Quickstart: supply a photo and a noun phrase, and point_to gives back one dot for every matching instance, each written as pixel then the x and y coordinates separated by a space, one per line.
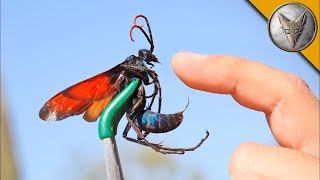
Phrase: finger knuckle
pixel 297 83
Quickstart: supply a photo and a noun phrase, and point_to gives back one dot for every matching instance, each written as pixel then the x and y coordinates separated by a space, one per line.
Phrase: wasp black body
pixel 91 96
pixel 141 118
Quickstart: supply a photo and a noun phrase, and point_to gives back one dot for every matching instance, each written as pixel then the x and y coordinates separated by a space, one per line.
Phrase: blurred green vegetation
pixel 8 166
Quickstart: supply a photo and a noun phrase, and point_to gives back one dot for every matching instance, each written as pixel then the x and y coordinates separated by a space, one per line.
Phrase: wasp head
pixel 147 56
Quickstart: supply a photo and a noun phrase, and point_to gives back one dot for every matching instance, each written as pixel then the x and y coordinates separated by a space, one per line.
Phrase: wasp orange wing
pixel 91 95
pixel 96 88
pixel 96 108
pixel 60 107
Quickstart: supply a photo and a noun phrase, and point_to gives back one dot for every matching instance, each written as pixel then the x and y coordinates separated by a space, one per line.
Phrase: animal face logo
pixel 292 29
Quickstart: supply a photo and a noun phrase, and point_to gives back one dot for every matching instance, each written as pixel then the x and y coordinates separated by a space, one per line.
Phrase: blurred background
pixel 47 46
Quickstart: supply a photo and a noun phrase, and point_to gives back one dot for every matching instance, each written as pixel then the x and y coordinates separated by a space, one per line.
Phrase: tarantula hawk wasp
pixel 91 96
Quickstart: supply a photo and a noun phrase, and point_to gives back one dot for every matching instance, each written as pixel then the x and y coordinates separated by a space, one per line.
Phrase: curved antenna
pixel 139 27
pixel 149 38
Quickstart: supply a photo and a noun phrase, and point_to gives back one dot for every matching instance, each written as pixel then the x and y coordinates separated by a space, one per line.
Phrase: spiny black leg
pixel 145 142
pixel 139 133
pixel 160 97
pixel 166 150
pixel 183 150
pixel 136 71
pixel 151 102
pixel 153 95
pixel 157 89
pixel 145 134
pixel 158 147
pixel 125 135
pixel 139 103
pixel 150 95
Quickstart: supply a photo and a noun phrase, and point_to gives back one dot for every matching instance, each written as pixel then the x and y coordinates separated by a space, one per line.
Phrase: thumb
pixel 255 161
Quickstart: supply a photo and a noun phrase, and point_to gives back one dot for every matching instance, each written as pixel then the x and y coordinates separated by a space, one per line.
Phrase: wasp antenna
pixel 186 105
pixel 135 20
pixel 150 39
pixel 145 34
pixel 131 33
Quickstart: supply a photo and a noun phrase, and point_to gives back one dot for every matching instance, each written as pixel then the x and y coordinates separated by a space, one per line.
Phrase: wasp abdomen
pixel 153 122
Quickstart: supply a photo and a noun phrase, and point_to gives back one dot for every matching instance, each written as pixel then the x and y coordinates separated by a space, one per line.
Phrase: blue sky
pixel 46 46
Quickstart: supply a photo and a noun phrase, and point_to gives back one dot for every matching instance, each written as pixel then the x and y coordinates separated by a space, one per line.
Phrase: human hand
pixel 292 112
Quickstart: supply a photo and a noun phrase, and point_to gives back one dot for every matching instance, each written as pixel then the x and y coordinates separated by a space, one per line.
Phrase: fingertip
pixel 177 59
pixel 183 61
pixel 188 67
pixel 272 163
pixel 204 72
pixel 240 157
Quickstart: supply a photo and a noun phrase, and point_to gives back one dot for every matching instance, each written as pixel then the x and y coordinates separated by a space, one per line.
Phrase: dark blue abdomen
pixel 158 123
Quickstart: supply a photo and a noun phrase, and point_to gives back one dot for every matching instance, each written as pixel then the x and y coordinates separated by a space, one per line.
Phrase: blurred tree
pixel 8 166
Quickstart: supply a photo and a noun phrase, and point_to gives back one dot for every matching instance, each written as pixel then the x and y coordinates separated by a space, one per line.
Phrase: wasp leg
pixel 150 96
pixel 145 134
pixel 144 142
pixel 183 150
pixel 133 112
pixel 136 107
pixel 157 89
pixel 139 141
pixel 138 71
pixel 159 147
pixel 125 135
pixel 140 135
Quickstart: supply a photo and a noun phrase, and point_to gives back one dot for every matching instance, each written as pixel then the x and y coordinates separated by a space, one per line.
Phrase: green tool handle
pixel 112 114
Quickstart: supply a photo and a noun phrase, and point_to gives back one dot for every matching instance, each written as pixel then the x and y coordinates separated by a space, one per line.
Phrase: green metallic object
pixel 112 114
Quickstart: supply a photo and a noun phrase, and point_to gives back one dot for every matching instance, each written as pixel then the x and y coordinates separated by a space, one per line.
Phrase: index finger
pixel 291 109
